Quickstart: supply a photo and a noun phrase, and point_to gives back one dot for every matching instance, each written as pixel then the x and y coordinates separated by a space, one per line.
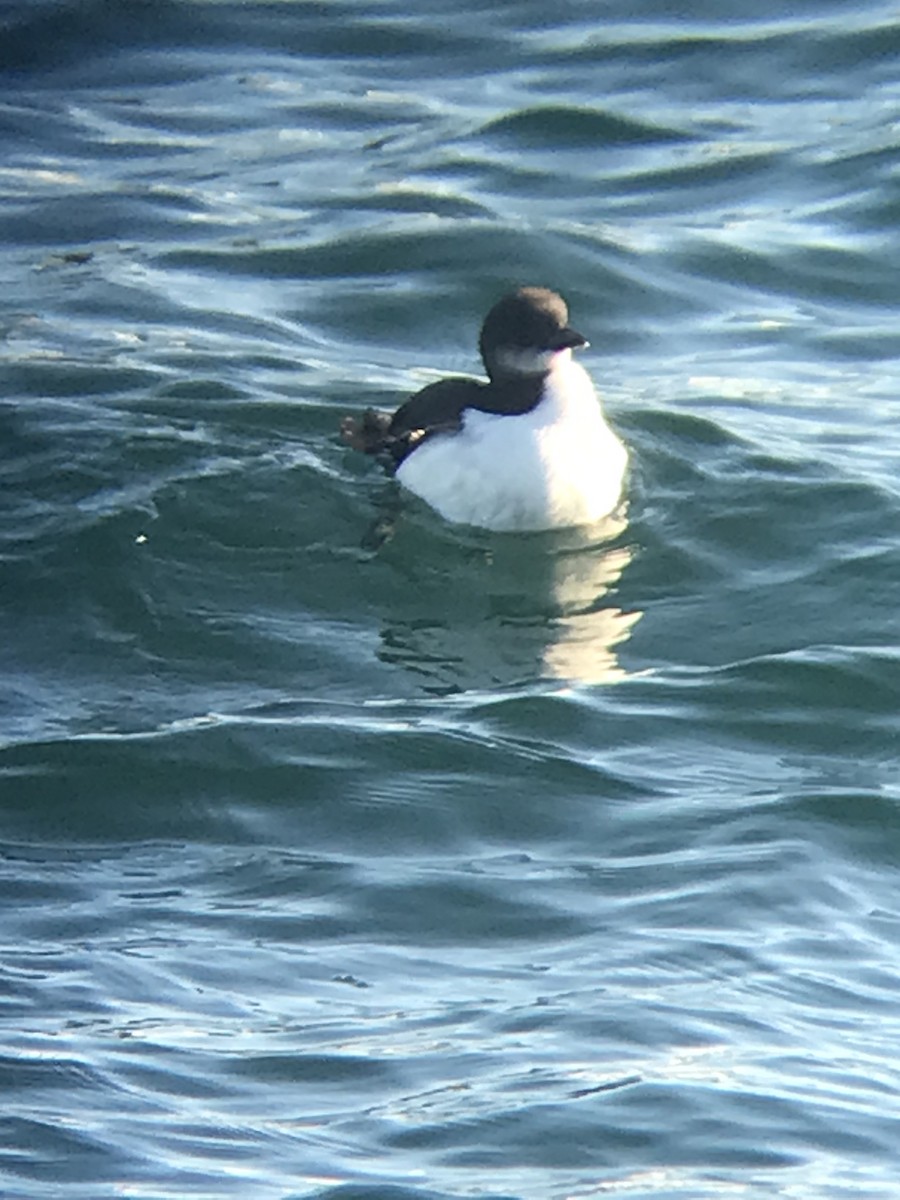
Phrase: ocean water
pixel 550 866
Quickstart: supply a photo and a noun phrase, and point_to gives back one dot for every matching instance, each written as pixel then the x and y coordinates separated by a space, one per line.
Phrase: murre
pixel 528 450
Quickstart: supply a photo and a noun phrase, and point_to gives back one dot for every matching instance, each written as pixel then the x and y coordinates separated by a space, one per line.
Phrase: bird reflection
pixel 505 611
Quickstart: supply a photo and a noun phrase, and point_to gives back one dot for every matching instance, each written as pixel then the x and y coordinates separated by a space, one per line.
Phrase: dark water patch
pixel 742 528
pixel 76 380
pixel 361 255
pixel 626 1122
pixel 862 346
pixel 47 1153
pixel 102 217
pixel 63 33
pixel 871 49
pixel 869 821
pixel 807 683
pixel 382 1191
pixel 690 432
pixel 59 786
pixel 693 62
pixel 214 394
pixel 554 126
pixel 101 30
pixel 732 168
pixel 375 37
pixel 619 283
pixel 476 915
pixel 322 1071
pixel 796 48
pixel 410 199
pixel 808 272
pixel 840 163
pixel 46 1076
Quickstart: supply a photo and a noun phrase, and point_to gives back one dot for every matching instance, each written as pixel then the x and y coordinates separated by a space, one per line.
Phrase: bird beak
pixel 569 339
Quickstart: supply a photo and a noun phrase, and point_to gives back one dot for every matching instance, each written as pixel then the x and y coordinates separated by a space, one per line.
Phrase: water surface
pixel 524 866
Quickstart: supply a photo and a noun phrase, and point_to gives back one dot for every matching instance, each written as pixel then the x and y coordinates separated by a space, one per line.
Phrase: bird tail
pixel 368 433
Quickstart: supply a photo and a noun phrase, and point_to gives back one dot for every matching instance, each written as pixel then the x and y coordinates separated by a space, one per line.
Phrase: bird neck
pixel 511 394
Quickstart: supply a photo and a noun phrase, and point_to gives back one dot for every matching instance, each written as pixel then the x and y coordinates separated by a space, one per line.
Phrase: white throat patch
pixel 519 360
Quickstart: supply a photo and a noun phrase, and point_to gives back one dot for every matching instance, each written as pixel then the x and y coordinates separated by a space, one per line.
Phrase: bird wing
pixel 437 408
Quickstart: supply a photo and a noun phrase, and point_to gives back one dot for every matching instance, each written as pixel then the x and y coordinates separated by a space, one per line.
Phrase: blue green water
pixel 544 866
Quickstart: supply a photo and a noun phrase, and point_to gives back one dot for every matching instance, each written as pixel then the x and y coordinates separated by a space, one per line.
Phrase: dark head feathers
pixel 530 318
pixel 519 336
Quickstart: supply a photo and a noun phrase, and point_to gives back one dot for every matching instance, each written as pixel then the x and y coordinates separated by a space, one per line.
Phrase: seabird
pixel 529 449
